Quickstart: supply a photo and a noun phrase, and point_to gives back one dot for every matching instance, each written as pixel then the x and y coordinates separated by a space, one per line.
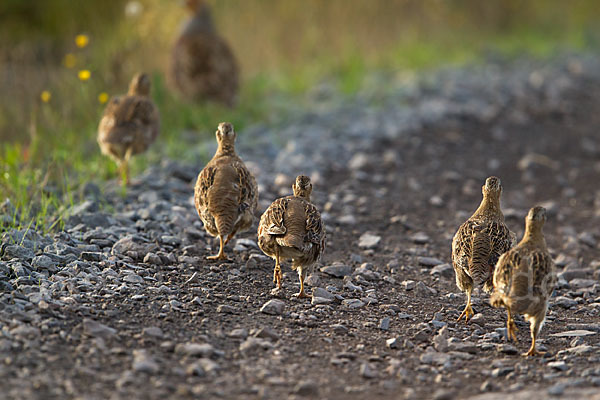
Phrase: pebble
pixel 353 303
pixel 338 270
pixel 557 389
pixel 368 241
pixel 273 307
pixel 226 309
pixel 429 261
pixel 133 278
pixel 384 324
pixel 238 333
pixel 366 371
pixel 142 362
pixel 308 388
pixel 421 238
pixel 574 333
pixel 443 270
pixel 96 329
pixel 393 343
pixel 507 349
pixel 195 349
pixel 558 365
pixel 408 285
pixel 322 293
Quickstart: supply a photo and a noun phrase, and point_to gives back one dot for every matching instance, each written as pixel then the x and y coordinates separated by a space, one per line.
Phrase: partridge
pixel 226 194
pixel 202 66
pixel 525 277
pixel 291 228
pixel 479 242
pixel 129 125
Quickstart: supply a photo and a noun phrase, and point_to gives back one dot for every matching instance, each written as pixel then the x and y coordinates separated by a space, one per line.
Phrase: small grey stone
pixel 558 365
pixel 152 258
pixel 133 278
pixel 45 263
pixel 507 349
pixel 323 293
pixel 564 302
pixel 421 238
pixel 307 388
pixel 252 344
pixel 557 389
pixel 266 333
pixel 337 269
pixel 91 256
pixel 443 394
pixel 273 307
pixel 320 301
pixel 142 362
pixel 582 283
pixel 368 241
pixel 238 333
pixel 501 371
pixel 20 252
pixel 352 303
pixel 153 332
pixel 339 328
pixel 366 371
pixel 440 341
pixel 393 343
pixel 195 349
pixel 423 290
pixel 409 284
pixel 434 358
pixel 443 270
pixel 203 367
pixel 96 329
pixel 226 309
pixel 574 333
pixel 429 261
pixel 384 324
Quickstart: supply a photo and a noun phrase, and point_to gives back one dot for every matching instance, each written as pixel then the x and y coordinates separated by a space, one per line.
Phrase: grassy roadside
pixel 55 152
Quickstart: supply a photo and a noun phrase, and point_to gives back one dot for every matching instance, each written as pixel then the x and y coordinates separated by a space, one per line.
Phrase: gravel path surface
pixel 123 303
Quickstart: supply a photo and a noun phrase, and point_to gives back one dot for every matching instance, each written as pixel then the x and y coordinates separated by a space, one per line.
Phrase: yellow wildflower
pixel 70 60
pixel 84 75
pixel 103 97
pixel 45 96
pixel 82 40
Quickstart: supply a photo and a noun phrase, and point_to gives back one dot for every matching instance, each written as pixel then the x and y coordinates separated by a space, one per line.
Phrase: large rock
pixel 273 307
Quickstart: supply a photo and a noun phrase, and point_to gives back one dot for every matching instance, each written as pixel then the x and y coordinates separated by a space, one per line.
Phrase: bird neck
pixel 226 149
pixel 534 234
pixel 303 195
pixel 490 205
pixel 201 22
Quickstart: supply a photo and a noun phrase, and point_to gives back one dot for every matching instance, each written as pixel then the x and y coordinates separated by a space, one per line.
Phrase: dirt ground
pixel 413 192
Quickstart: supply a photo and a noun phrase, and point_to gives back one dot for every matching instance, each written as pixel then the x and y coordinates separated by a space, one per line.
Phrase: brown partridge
pixel 292 228
pixel 479 242
pixel 129 125
pixel 525 277
pixel 202 66
pixel 226 195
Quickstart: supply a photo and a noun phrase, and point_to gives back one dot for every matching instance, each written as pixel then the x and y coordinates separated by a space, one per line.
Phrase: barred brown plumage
pixel 129 124
pixel 292 228
pixel 226 194
pixel 202 66
pixel 479 242
pixel 525 277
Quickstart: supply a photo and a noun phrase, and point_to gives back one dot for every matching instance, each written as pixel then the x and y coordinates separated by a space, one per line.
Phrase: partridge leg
pixel 124 167
pixel 221 255
pixel 277 275
pixel 230 236
pixel 301 293
pixel 535 329
pixel 468 311
pixel 511 327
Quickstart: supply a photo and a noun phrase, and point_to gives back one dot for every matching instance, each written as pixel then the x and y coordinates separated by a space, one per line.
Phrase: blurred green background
pixel 48 116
